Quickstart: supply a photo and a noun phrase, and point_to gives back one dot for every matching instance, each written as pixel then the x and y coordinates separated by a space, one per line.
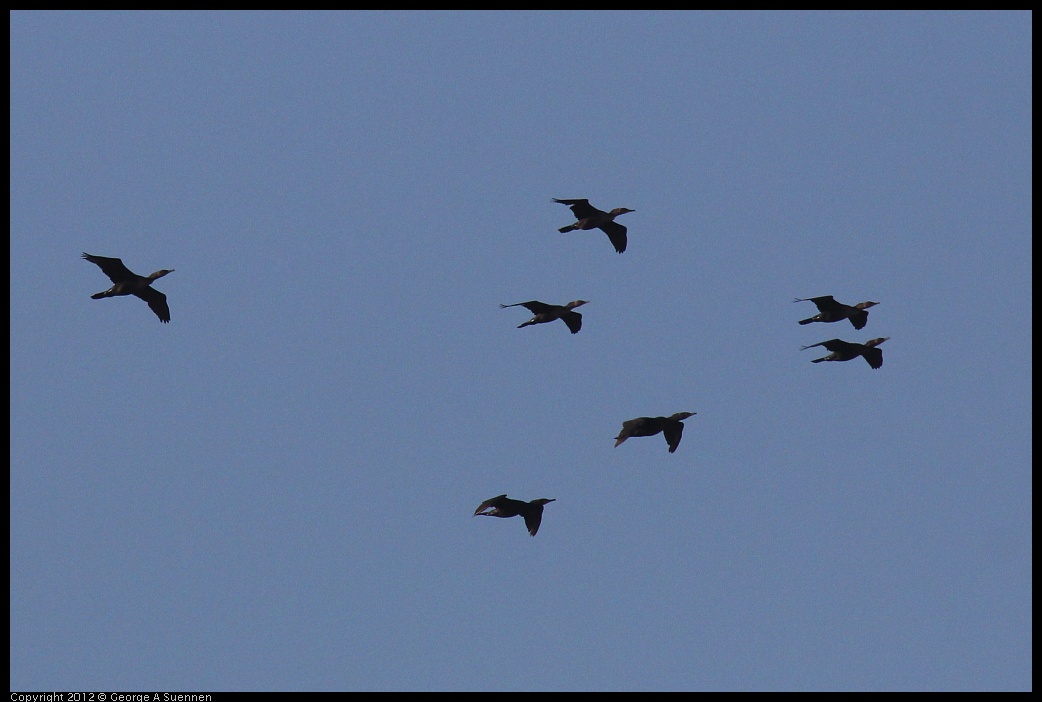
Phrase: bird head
pixel 876 342
pixel 865 305
pixel 576 303
pixel 681 416
pixel 620 211
pixel 159 274
pixel 543 501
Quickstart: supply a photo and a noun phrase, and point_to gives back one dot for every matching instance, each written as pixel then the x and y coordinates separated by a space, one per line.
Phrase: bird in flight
pixel 126 282
pixel 672 428
pixel 547 313
pixel 831 311
pixel 503 507
pixel 589 217
pixel 846 351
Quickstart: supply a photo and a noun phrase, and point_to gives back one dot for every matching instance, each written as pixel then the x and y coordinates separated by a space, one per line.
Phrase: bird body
pixel 847 350
pixel 503 507
pixel 548 313
pixel 831 311
pixel 589 217
pixel 672 428
pixel 126 282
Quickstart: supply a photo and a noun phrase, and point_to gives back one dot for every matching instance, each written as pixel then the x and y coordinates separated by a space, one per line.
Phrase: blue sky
pixel 274 491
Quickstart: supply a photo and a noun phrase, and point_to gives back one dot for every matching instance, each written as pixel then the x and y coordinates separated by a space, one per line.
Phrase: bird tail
pixel 570 227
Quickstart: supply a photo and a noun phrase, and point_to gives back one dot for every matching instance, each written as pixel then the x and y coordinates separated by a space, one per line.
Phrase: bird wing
pixel 630 428
pixel 859 318
pixel 491 502
pixel 574 320
pixel 617 233
pixel 533 517
pixel 874 356
pixel 156 302
pixel 112 267
pixel 840 345
pixel 533 306
pixel 673 433
pixel 832 345
pixel 580 208
pixel 826 303
pixel 625 433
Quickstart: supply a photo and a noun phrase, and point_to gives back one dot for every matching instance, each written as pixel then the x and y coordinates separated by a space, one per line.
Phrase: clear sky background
pixel 275 491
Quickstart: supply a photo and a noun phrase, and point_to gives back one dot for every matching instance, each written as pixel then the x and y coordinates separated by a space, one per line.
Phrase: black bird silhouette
pixel 547 313
pixel 846 351
pixel 503 506
pixel 672 428
pixel 589 217
pixel 129 283
pixel 831 311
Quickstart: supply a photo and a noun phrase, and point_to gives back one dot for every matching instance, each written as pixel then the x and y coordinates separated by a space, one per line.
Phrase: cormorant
pixel 846 350
pixel 589 217
pixel 831 311
pixel 503 506
pixel 129 283
pixel 672 428
pixel 547 313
